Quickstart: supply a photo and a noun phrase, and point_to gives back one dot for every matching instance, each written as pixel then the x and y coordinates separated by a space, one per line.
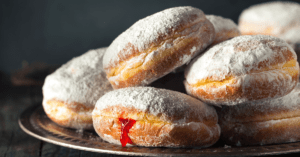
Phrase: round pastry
pixel 71 92
pixel 245 68
pixel 272 18
pixel 147 116
pixel 262 122
pixel 280 19
pixel 225 28
pixel 156 45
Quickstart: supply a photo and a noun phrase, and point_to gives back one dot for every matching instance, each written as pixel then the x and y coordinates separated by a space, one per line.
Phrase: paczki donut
pixel 71 92
pixel 245 68
pixel 262 122
pixel 156 45
pixel 225 28
pixel 271 18
pixel 147 116
pixel 280 19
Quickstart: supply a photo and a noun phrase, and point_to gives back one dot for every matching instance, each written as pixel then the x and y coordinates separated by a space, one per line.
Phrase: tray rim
pixel 24 123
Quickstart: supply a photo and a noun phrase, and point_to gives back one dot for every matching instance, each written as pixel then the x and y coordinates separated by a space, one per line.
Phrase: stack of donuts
pixel 180 78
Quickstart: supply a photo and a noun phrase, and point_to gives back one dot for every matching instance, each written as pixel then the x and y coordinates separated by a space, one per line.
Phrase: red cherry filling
pixel 126 124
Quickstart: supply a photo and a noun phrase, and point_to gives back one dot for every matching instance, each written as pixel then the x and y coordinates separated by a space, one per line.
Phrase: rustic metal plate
pixel 35 123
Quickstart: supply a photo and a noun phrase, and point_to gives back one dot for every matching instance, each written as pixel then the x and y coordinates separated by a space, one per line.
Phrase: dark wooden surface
pixel 16 143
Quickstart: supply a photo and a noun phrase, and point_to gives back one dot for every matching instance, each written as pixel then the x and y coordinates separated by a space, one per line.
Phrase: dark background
pixel 54 31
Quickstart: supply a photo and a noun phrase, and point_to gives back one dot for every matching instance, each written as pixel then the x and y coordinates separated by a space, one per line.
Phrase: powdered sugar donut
pixel 262 122
pixel 71 92
pixel 147 116
pixel 272 18
pixel 156 45
pixel 225 28
pixel 245 68
pixel 280 19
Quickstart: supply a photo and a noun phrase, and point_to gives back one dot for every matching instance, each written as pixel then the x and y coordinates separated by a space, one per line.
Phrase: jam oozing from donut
pixel 126 124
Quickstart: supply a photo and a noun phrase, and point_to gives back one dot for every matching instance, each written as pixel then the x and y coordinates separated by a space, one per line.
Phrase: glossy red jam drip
pixel 126 124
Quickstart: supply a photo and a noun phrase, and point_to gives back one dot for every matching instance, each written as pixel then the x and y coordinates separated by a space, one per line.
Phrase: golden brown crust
pixel 159 68
pixel 262 122
pixel 161 39
pixel 264 110
pixel 261 133
pixel 151 131
pixel 136 66
pixel 223 94
pixel 276 76
pixel 236 91
pixel 71 115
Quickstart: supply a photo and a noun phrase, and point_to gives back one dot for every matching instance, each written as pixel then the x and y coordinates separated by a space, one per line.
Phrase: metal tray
pixel 35 123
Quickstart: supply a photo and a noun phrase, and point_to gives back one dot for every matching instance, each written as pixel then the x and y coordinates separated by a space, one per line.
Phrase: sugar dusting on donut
pixel 146 31
pixel 156 102
pixel 262 110
pixel 81 80
pixel 262 122
pixel 261 133
pixel 247 59
pixel 221 23
pixel 277 14
pixel 225 28
pixel 163 118
pixel 216 65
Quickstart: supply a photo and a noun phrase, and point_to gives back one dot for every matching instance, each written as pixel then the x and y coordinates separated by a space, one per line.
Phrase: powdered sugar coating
pixel 223 60
pixel 81 80
pixel 245 58
pixel 263 110
pixel 221 23
pixel 148 30
pixel 164 103
pixel 210 134
pixel 279 15
pixel 225 28
pixel 262 122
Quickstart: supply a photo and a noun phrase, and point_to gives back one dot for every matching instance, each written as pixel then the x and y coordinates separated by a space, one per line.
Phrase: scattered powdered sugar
pixel 148 30
pixel 267 121
pixel 223 60
pixel 221 23
pixel 186 59
pixel 193 49
pixel 262 132
pixel 80 80
pixel 280 15
pixel 246 59
pixel 166 103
